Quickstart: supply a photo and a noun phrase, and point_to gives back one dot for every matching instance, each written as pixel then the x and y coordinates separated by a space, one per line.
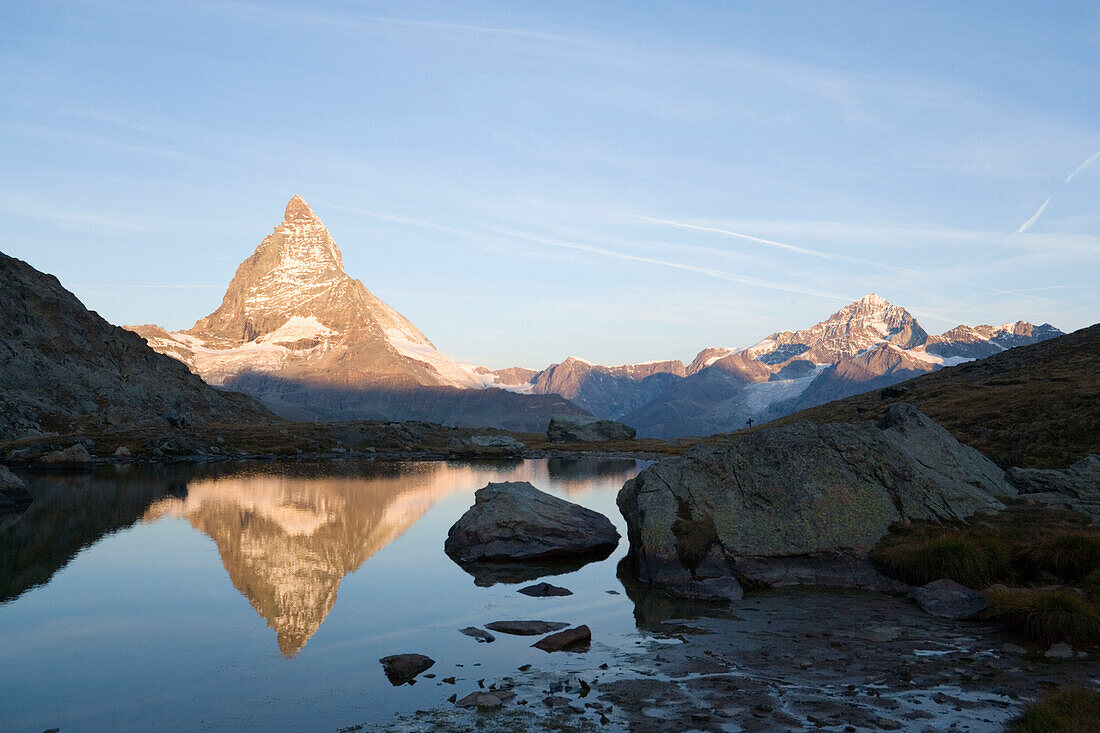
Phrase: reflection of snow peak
pixel 287 541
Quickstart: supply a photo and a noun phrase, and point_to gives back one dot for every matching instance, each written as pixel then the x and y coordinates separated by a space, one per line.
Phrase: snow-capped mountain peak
pixel 292 309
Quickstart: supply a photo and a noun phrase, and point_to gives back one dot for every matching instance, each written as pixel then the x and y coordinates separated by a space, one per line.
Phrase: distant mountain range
pixel 297 332
pixel 865 345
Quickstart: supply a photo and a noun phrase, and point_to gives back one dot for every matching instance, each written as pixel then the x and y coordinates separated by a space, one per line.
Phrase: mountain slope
pixel 296 331
pixel 63 367
pixel 1036 405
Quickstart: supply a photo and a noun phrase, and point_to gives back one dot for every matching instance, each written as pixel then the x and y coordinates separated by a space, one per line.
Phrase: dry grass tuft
pixel 1071 710
pixel 1046 615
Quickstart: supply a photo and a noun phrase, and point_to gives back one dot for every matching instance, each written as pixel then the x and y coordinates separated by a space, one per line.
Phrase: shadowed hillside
pixel 1033 406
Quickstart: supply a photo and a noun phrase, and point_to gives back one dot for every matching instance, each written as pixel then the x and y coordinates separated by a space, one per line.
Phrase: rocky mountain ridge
pixel 865 345
pixel 63 368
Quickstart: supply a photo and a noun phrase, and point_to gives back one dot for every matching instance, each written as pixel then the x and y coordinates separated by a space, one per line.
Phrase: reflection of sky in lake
pixel 158 626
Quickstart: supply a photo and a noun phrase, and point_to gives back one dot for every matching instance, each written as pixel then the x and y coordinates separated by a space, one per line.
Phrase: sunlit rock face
pixel 287 542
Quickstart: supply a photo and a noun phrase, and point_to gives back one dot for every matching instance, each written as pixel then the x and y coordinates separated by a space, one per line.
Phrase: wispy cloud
pixel 1034 217
pixel 604 252
pixel 78 220
pixel 355 21
pixel 143 286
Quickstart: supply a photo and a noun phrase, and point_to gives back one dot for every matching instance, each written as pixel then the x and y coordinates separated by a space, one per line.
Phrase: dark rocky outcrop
pixel 514 521
pixel 402 668
pixel 800 503
pixel 947 599
pixel 76 455
pixel 580 429
pixel 13 492
pixel 63 368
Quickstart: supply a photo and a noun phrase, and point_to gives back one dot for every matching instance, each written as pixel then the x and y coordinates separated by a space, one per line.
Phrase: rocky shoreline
pixel 795 659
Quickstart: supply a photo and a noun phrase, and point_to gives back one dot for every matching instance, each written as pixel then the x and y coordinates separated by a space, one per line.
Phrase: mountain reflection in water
pixel 287 539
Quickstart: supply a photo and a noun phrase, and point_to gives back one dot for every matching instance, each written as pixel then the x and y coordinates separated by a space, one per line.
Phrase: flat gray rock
pixel 947 599
pixel 525 628
pixel 1076 487
pixel 514 521
pixel 581 429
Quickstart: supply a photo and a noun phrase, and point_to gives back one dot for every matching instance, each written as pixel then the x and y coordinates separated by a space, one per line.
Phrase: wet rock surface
pixel 570 638
pixel 795 659
pixel 515 522
pixel 801 503
pixel 403 668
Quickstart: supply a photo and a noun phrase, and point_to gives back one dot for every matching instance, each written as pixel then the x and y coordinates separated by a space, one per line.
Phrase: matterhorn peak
pixel 873 299
pixel 297 210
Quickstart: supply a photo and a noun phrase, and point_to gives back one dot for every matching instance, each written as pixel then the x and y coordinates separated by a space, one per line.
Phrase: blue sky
pixel 527 181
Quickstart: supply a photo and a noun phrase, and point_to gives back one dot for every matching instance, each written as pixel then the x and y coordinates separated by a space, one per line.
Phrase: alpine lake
pixel 260 596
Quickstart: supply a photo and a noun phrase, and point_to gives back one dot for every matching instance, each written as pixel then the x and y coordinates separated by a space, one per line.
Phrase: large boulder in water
pixel 582 429
pixel 514 521
pixel 812 497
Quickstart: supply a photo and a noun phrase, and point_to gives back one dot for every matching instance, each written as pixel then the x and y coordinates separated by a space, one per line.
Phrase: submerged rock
pixel 800 504
pixel 480 634
pixel 525 628
pixel 543 590
pixel 514 521
pixel 564 640
pixel 582 429
pixel 485 699
pixel 402 668
pixel 947 599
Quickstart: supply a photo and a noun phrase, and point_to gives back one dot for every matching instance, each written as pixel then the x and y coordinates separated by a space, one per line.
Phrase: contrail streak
pixel 1091 159
pixel 1034 218
pixel 778 245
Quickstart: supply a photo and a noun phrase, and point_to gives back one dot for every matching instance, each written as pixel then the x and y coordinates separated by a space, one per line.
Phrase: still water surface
pixel 261 596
